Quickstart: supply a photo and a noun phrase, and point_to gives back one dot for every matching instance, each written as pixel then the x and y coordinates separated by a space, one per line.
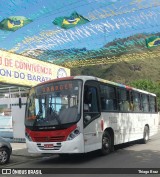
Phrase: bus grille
pixel 49 139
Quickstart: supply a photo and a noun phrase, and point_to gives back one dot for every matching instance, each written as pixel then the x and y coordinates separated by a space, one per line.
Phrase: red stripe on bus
pixel 102 124
pixel 50 135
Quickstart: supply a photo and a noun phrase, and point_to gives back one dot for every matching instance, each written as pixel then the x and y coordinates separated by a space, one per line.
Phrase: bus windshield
pixel 54 104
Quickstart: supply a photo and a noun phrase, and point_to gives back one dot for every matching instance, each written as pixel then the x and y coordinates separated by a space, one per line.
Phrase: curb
pixel 24 153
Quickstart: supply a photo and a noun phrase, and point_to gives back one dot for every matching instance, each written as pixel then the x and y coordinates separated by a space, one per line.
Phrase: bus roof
pixel 85 78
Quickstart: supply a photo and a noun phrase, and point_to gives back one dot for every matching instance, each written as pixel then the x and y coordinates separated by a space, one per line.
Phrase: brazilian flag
pixel 70 22
pixel 153 41
pixel 13 23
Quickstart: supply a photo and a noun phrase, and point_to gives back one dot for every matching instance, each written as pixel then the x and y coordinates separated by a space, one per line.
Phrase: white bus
pixel 84 113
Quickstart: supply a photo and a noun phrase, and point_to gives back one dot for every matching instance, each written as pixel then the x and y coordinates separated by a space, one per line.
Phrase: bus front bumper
pixel 75 145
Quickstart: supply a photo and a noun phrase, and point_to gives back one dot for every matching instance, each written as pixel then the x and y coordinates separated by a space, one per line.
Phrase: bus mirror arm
pixel 20 102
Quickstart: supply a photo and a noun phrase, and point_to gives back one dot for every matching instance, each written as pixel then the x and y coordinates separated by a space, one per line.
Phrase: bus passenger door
pixel 91 112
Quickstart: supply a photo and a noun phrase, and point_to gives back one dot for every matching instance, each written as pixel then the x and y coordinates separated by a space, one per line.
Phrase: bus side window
pixel 145 104
pixel 131 101
pixel 124 102
pixel 108 98
pixel 152 104
pixel 136 102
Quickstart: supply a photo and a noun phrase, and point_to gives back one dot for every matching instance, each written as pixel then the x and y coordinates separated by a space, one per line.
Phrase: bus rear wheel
pixel 106 143
pixel 145 135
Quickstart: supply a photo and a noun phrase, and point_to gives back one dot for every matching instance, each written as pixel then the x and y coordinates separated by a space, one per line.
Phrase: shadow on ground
pixel 122 157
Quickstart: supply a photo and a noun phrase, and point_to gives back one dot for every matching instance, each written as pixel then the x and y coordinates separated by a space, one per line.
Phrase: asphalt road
pixel 130 155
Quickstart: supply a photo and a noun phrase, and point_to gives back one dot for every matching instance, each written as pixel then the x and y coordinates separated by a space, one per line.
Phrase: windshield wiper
pixel 51 114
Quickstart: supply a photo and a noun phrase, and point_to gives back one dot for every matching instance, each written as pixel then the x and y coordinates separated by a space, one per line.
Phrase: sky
pixel 108 20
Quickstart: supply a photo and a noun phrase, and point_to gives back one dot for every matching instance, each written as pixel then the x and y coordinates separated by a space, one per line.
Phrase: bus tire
pixel 106 143
pixel 145 135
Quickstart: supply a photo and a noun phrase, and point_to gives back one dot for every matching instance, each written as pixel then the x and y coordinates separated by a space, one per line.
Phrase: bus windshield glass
pixel 54 104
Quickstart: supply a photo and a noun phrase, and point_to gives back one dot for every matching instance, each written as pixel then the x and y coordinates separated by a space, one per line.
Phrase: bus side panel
pixel 120 124
pixel 127 126
pixel 154 123
pixel 92 137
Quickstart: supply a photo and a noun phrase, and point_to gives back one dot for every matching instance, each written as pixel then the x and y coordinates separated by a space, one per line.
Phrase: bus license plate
pixel 48 146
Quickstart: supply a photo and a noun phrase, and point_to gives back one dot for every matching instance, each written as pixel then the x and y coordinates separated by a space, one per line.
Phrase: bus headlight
pixel 27 136
pixel 73 134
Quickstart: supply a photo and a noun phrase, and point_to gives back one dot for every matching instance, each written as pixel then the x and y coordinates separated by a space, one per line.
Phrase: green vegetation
pixel 142 74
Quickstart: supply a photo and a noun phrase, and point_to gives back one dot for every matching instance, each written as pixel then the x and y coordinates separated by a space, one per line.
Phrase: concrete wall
pixel 18 115
pixel 14 127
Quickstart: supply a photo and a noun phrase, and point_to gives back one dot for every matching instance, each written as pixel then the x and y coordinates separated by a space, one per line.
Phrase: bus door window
pixel 90 108
pixel 87 99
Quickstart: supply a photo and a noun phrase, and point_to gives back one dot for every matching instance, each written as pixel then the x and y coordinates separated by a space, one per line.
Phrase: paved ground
pixel 20 149
pixel 17 146
pixel 132 155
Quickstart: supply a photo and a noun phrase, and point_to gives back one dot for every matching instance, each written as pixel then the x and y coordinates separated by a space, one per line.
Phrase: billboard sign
pixel 21 70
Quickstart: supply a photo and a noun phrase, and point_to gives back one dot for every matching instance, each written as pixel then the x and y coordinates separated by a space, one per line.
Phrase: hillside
pixel 124 71
pixel 127 60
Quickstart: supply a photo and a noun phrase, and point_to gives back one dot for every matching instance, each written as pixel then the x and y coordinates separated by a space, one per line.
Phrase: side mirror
pixel 87 118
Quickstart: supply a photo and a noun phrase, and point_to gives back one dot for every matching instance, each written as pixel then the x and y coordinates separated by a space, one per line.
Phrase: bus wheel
pixel 106 143
pixel 145 135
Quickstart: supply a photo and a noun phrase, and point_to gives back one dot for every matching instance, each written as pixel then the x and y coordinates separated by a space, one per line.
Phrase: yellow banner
pixel 21 70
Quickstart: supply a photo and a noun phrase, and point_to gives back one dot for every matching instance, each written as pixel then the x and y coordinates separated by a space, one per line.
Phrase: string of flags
pixel 14 23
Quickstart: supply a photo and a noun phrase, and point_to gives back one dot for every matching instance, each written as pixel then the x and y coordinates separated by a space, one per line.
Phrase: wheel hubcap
pixel 146 136
pixel 106 143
